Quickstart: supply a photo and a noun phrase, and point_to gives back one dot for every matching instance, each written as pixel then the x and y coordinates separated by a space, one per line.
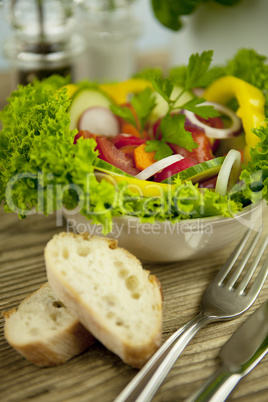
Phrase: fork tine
pixel 243 284
pixel 259 281
pixel 235 275
pixel 221 275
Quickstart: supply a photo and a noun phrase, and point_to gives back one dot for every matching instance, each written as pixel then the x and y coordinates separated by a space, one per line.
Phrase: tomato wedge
pixel 122 140
pixel 174 168
pixel 210 183
pixel 85 134
pixel 215 122
pixel 129 151
pixel 109 153
pixel 202 153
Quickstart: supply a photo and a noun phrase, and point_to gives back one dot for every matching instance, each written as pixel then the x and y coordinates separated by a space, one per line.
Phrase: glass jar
pixel 44 39
pixel 111 30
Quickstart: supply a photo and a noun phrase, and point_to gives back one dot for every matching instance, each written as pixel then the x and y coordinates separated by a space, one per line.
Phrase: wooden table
pixel 98 374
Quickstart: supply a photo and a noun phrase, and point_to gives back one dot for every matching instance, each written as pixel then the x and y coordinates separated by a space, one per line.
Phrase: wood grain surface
pixel 99 375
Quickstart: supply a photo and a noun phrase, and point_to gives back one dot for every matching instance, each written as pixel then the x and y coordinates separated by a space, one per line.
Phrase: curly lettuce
pixel 255 175
pixel 40 167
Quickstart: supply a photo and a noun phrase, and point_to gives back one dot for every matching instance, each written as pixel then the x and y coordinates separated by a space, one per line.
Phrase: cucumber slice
pixel 200 172
pixel 161 107
pixel 140 187
pixel 106 167
pixel 83 99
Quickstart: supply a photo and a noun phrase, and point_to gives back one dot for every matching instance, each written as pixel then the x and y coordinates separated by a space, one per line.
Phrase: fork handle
pixel 145 384
pixel 217 387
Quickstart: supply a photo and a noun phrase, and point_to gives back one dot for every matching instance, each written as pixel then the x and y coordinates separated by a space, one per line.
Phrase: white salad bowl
pixel 161 242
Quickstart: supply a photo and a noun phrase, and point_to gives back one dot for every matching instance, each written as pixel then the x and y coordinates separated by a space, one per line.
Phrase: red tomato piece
pixel 122 140
pixel 85 134
pixel 209 183
pixel 215 145
pixel 215 122
pixel 202 153
pixel 129 151
pixel 109 153
pixel 174 168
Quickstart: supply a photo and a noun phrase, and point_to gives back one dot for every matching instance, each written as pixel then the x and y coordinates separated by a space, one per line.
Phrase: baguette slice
pixel 110 293
pixel 44 331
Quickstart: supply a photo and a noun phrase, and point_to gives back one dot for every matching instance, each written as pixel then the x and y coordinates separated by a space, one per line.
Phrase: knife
pixel 241 353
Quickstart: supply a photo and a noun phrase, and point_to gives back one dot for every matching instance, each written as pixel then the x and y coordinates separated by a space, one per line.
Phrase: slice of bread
pixel 110 293
pixel 44 331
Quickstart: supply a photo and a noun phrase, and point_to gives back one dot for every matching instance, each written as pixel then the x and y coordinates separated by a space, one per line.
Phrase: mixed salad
pixel 190 144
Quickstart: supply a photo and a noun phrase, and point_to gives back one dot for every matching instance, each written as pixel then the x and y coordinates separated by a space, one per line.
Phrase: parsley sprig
pixel 143 104
pixel 171 129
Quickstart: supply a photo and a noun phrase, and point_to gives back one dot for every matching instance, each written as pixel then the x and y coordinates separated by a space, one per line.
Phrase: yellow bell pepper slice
pixel 140 187
pixel 251 105
pixel 120 91
pixel 71 89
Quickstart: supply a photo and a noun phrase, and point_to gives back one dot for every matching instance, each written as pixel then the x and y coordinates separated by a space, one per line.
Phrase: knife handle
pixel 217 387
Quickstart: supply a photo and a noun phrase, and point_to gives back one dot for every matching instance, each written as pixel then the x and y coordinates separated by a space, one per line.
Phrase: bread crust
pixel 63 347
pixel 134 355
pixel 65 343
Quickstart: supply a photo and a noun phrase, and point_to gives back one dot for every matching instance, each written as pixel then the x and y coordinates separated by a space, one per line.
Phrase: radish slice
pixel 99 120
pixel 159 165
pixel 212 132
pixel 198 91
pixel 229 172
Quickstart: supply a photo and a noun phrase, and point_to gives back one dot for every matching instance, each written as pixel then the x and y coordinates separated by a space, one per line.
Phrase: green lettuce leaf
pixel 40 167
pixel 255 175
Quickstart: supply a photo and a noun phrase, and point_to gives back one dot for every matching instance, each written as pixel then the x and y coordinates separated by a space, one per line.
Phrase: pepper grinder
pixel 45 40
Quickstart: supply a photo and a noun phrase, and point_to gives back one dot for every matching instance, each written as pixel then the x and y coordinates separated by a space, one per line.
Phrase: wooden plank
pixel 98 374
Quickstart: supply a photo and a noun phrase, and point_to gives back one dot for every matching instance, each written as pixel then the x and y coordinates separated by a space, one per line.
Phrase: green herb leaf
pixel 123 112
pixel 173 131
pixel 168 12
pixel 204 111
pixel 163 86
pixel 178 75
pixel 143 103
pixel 147 73
pixel 198 73
pixel 161 149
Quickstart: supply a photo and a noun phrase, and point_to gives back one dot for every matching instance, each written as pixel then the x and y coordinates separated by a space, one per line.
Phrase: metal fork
pixel 220 301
